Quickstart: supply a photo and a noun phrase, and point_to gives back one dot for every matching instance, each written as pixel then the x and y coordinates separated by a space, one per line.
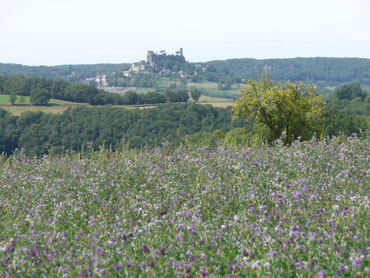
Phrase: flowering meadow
pixel 271 211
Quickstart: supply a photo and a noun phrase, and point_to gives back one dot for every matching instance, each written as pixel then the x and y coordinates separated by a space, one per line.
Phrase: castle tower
pixel 181 52
pixel 149 56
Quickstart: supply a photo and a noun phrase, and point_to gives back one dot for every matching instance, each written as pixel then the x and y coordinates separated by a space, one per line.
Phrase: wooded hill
pixel 72 73
pixel 318 71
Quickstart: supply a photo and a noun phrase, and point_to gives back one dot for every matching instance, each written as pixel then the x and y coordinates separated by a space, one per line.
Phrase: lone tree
pixel 39 96
pixel 13 98
pixel 287 111
pixel 195 94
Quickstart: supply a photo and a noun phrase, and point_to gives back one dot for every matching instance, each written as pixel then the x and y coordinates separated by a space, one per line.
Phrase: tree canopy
pixel 38 133
pixel 290 110
pixel 195 94
pixel 40 96
pixel 12 98
pixel 318 71
pixel 350 91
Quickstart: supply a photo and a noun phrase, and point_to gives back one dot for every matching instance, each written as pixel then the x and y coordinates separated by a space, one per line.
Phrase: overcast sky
pixel 53 32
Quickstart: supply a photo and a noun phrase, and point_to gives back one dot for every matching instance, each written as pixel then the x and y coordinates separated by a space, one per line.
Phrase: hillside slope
pixel 70 73
pixel 320 71
pixel 325 71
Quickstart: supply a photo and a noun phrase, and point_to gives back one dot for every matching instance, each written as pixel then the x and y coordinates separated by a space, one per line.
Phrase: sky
pixel 56 32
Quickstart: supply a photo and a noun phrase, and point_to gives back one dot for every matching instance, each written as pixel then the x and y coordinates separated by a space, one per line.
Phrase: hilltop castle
pixel 156 62
pixel 153 58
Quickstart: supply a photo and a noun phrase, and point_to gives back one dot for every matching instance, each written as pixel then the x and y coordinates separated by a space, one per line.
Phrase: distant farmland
pixel 58 106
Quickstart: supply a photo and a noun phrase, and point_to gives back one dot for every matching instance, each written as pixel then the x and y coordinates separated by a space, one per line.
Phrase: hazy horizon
pixel 64 32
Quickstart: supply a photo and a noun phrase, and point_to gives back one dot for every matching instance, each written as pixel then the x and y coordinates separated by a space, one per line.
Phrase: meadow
pixel 210 88
pixel 55 105
pixel 59 106
pixel 216 101
pixel 4 100
pixel 194 212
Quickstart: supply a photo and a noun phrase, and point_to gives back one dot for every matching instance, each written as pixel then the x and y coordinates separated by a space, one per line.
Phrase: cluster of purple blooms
pixel 194 212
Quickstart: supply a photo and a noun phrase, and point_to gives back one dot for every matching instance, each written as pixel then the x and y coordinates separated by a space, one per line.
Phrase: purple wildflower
pixel 356 262
pixel 118 266
pixel 146 249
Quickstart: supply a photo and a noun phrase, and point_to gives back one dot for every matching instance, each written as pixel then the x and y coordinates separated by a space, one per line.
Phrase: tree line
pixel 41 133
pixel 71 73
pixel 350 99
pixel 348 110
pixel 75 92
pixel 41 90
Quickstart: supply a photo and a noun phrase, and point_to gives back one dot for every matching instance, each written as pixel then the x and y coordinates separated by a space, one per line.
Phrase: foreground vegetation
pixel 227 212
pixel 293 109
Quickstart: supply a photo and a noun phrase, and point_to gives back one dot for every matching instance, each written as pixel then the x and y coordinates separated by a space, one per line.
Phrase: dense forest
pixel 39 133
pixel 318 71
pixel 348 110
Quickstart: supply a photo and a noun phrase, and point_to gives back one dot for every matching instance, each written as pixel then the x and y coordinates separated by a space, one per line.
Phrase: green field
pixel 213 86
pixel 330 88
pixel 144 90
pixel 219 104
pixel 4 100
pixel 213 99
pixel 165 82
pixel 216 101
pixel 206 85
pixel 55 105
pixel 59 106
pixel 210 88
